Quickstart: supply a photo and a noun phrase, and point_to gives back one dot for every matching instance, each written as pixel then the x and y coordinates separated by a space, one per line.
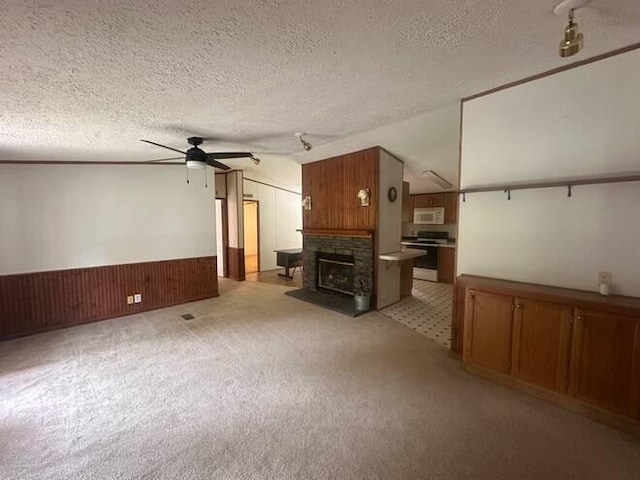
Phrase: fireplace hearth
pixel 335 273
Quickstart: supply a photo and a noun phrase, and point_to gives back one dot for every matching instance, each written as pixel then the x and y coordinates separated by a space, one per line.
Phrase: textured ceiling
pixel 86 79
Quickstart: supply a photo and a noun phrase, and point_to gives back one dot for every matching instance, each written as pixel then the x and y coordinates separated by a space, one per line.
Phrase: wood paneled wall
pixel 333 185
pixel 40 301
pixel 235 257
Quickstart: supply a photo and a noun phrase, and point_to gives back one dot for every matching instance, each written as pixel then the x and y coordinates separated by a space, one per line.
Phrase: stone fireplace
pixel 341 265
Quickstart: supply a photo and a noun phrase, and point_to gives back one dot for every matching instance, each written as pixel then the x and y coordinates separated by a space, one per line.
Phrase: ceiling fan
pixel 197 158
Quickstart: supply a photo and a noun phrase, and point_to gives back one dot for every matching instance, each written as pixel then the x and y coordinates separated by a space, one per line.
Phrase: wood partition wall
pixel 41 301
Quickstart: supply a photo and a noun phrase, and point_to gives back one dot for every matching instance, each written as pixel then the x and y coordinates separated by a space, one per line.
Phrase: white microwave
pixel 428 216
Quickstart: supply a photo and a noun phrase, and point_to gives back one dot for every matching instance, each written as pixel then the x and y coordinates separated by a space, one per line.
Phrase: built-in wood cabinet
pixel 432 200
pixel 451 208
pixel 605 363
pixel 578 346
pixel 487 330
pixel 446 264
pixel 541 343
pixel 428 200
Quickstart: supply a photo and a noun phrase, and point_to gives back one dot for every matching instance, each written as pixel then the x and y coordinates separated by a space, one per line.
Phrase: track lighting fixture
pixel 306 145
pixel 573 40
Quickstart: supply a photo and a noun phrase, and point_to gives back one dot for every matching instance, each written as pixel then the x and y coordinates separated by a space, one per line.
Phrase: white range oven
pixel 426 266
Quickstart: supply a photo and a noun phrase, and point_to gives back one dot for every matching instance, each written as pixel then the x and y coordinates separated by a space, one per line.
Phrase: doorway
pixel 251 210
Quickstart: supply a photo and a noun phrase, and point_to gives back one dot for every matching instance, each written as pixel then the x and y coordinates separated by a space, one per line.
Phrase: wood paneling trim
pixel 236 263
pixel 40 301
pixel 555 70
pixel 338 233
pixel 578 298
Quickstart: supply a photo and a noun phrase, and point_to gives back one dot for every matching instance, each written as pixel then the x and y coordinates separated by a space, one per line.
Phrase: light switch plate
pixel 130 300
pixel 137 298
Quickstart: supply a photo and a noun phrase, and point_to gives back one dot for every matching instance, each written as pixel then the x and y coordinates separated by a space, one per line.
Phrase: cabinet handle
pixel 518 306
pixel 579 318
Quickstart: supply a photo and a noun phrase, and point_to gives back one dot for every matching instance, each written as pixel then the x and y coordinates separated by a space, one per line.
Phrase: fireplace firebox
pixel 335 273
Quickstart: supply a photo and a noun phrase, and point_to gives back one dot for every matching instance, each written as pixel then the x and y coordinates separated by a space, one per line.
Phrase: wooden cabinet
pixel 541 343
pixel 406 278
pixel 451 208
pixel 605 363
pixel 488 330
pixel 429 200
pixel 576 348
pixel 432 200
pixel 407 204
pixel 457 320
pixel 446 264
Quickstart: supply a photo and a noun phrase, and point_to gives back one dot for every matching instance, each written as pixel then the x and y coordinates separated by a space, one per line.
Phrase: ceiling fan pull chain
pixel 206 185
pixel 187 175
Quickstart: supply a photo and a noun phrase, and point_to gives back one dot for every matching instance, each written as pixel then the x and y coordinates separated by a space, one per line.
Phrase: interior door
pixel 251 236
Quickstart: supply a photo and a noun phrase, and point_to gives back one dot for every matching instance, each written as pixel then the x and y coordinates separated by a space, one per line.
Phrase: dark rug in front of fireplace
pixel 338 303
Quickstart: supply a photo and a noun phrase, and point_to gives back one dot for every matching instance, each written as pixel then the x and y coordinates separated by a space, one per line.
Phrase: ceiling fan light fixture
pixel 573 40
pixel 196 158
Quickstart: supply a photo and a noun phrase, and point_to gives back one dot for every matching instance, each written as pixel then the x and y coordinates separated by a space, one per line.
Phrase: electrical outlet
pixel 137 298
pixel 130 300
pixel 605 277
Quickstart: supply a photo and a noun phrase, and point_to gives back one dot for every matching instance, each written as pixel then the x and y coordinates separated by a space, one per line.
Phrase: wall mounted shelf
pixel 568 183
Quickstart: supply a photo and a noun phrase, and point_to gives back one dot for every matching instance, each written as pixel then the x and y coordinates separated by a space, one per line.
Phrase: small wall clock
pixel 392 194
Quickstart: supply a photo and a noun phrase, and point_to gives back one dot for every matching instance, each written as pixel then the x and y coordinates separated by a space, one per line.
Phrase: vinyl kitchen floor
pixel 427 310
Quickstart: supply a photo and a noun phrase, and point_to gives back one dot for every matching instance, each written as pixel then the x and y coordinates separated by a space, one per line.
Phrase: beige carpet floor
pixel 263 386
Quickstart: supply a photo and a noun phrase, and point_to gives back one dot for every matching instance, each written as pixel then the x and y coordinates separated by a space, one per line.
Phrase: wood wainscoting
pixel 41 301
pixel 235 258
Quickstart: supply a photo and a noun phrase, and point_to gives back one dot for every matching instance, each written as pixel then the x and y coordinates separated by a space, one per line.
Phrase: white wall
pixel 579 123
pixel 389 229
pixel 280 217
pixel 70 216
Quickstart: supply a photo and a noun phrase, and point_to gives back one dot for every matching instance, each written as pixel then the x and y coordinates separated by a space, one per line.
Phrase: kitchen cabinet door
pixel 420 201
pixel 488 322
pixel 446 264
pixel 451 208
pixel 605 361
pixel 541 343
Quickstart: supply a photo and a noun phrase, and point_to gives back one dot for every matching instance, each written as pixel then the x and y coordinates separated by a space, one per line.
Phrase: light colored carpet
pixel 263 386
pixel 427 311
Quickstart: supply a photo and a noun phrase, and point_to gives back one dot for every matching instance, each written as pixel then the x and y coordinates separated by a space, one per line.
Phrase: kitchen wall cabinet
pixel 449 201
pixel 446 264
pixel 605 364
pixel 572 347
pixel 541 343
pixel 429 200
pixel 451 208
pixel 488 330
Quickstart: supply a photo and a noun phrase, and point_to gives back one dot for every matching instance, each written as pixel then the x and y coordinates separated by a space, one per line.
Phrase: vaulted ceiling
pixel 86 79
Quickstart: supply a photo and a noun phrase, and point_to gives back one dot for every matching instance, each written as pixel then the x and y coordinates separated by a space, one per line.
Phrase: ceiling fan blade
pixel 225 155
pixel 216 164
pixel 164 159
pixel 164 146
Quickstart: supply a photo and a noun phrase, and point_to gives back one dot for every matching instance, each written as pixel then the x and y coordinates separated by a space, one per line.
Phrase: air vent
pixel 187 316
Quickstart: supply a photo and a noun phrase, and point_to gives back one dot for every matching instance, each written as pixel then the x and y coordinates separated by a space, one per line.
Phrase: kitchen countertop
pixel 404 254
